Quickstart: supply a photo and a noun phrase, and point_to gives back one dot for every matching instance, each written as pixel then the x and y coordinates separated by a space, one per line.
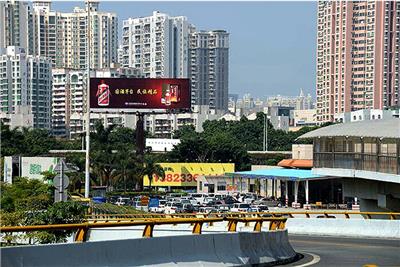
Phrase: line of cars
pixel 207 203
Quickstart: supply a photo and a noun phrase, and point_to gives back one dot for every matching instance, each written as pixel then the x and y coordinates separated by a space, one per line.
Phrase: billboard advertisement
pixel 32 167
pixel 185 174
pixel 139 93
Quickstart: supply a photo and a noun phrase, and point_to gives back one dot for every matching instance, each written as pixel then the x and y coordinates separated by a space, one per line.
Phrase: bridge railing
pixel 289 214
pixel 275 223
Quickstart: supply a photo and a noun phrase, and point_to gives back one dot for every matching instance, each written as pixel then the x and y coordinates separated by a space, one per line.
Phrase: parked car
pixel 208 200
pixel 123 201
pixel 240 207
pixel 199 198
pixel 188 208
pixel 139 206
pixel 160 208
pixel 258 208
pixel 223 208
pixel 206 210
pixel 230 200
pixel 172 207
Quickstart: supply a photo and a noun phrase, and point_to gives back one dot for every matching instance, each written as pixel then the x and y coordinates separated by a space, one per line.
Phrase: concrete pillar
pixel 307 206
pixel 272 187
pixel 286 194
pixel 306 191
pixel 266 187
pixel 295 204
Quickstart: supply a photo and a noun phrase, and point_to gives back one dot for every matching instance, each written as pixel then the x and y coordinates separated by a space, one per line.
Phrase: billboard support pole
pixel 87 160
pixel 140 142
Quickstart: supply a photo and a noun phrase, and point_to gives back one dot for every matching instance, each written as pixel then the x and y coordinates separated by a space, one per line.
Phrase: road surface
pixel 335 251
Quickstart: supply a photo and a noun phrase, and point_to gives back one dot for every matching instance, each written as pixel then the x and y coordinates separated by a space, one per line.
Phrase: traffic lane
pixel 336 251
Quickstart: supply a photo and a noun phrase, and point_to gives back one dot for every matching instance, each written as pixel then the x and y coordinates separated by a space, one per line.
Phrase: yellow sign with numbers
pixel 185 174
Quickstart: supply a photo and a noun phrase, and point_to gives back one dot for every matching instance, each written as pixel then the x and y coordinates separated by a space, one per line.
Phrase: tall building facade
pixel 357 56
pixel 25 84
pixel 63 36
pixel 16 24
pixel 157 45
pixel 209 68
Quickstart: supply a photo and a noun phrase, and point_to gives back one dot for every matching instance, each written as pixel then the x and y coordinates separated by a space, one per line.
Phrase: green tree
pixel 128 167
pixel 151 168
pixel 29 202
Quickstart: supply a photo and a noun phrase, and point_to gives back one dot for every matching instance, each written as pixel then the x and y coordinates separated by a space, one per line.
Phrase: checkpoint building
pixel 352 163
pixel 365 155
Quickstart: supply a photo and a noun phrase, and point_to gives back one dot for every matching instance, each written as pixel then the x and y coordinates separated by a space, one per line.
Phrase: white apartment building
pixel 69 94
pixel 15 26
pixel 209 68
pixel 63 36
pixel 157 45
pixel 25 81
pixel 163 125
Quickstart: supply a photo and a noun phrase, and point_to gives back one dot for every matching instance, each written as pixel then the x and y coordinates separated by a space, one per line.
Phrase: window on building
pixel 221 186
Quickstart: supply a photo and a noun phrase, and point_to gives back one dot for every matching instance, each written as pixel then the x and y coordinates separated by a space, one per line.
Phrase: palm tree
pixel 151 168
pixel 127 164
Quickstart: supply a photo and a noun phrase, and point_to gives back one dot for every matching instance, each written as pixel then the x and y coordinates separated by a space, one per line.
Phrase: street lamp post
pixel 87 160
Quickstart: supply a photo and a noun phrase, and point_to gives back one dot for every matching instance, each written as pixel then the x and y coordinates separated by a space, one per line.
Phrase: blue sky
pixel 272 44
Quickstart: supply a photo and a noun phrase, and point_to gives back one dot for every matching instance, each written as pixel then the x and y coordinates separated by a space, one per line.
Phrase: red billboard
pixel 139 93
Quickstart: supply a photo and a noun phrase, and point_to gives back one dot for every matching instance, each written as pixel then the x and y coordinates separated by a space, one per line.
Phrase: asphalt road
pixel 334 251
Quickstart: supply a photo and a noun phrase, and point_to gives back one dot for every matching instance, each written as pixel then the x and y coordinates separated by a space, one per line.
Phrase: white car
pixel 160 208
pixel 171 207
pixel 122 201
pixel 199 198
pixel 240 207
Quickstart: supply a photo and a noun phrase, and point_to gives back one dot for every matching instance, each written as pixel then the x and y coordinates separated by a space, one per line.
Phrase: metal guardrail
pixel 83 228
pixel 290 214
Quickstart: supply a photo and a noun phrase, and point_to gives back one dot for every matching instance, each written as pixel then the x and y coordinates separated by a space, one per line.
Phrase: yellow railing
pixel 290 214
pixel 83 228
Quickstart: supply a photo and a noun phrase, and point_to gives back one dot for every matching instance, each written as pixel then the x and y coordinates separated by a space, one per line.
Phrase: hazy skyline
pixel 272 44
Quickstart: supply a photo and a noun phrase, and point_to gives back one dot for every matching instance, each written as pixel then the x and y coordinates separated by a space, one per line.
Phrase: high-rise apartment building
pixel 357 56
pixel 157 45
pixel 25 84
pixel 209 68
pixel 15 24
pixel 63 36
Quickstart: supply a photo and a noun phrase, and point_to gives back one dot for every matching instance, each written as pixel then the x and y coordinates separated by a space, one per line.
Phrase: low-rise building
pixel 305 117
pixel 366 114
pixel 161 144
pixel 365 156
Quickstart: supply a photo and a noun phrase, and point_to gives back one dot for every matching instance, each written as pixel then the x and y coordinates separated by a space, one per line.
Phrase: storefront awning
pixel 279 174
pixel 296 163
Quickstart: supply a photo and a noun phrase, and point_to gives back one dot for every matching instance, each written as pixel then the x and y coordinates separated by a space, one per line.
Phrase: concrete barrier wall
pixel 345 227
pixel 222 249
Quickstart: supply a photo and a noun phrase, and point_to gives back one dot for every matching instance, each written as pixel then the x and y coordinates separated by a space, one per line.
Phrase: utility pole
pixel 265 142
pixel 87 161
